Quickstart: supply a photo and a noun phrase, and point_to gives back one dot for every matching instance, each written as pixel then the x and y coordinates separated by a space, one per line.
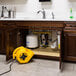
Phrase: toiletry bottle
pixel 14 12
pixel 58 41
pixel 71 14
pixel 9 13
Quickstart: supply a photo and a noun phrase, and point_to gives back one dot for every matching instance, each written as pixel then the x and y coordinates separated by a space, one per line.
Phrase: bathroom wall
pixel 29 8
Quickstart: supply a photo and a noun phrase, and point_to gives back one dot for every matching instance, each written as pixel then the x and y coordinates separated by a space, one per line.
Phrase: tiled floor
pixel 38 67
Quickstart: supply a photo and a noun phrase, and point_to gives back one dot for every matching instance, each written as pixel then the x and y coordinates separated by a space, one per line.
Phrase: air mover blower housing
pixel 23 55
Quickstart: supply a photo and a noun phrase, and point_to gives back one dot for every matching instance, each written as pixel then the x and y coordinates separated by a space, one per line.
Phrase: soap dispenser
pixel 71 14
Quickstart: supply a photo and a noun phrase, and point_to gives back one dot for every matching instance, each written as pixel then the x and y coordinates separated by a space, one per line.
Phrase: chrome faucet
pixel 53 15
pixel 43 12
pixel 3 9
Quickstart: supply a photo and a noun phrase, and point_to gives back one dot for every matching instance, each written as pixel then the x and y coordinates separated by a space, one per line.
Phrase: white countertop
pixel 33 19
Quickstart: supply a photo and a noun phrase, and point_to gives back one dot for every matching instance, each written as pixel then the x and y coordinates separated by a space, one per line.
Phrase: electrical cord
pixel 9 69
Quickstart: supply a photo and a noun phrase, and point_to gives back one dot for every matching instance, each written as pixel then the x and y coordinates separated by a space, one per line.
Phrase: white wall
pixel 29 8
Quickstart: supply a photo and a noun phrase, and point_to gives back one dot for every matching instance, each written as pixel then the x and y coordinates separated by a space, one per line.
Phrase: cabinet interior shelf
pixel 47 51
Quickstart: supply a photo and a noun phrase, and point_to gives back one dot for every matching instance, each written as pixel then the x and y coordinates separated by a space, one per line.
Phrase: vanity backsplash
pixel 29 8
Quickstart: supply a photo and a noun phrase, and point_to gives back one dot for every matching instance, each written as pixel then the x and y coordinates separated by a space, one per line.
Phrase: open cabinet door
pixel 61 50
pixel 11 42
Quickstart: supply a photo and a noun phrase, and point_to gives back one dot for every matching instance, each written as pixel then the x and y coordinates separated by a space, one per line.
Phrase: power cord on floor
pixel 9 69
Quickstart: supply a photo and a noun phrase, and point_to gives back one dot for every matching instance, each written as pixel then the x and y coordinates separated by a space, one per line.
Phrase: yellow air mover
pixel 23 55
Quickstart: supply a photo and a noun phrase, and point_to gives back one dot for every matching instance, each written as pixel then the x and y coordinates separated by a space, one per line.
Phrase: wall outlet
pixel 44 0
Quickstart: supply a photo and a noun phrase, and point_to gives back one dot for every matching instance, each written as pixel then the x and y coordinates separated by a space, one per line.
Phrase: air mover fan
pixel 22 55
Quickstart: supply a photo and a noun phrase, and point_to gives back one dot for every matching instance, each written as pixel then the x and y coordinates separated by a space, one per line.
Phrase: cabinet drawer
pixel 7 24
pixel 70 24
pixel 70 29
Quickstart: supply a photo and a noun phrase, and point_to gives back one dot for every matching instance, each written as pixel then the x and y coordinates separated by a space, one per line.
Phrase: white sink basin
pixel 36 19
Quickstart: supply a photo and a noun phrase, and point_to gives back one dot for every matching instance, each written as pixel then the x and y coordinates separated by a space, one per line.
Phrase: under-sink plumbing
pixel 43 12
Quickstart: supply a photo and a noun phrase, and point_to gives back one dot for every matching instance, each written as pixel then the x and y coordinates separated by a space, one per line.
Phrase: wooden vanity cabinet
pixel 2 42
pixel 11 42
pixel 70 44
pixel 2 39
pixel 9 38
pixel 12 38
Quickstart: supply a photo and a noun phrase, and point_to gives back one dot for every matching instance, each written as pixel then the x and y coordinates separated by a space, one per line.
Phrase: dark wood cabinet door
pixel 2 42
pixel 11 42
pixel 61 50
pixel 70 46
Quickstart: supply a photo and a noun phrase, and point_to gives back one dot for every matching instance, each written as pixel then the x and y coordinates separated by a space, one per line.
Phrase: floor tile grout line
pixel 73 68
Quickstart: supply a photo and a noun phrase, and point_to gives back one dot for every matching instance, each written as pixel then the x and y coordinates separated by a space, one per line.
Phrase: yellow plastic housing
pixel 18 52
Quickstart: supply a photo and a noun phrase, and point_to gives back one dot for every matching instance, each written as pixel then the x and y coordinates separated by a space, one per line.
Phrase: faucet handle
pixel 53 15
pixel 38 12
pixel 42 8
